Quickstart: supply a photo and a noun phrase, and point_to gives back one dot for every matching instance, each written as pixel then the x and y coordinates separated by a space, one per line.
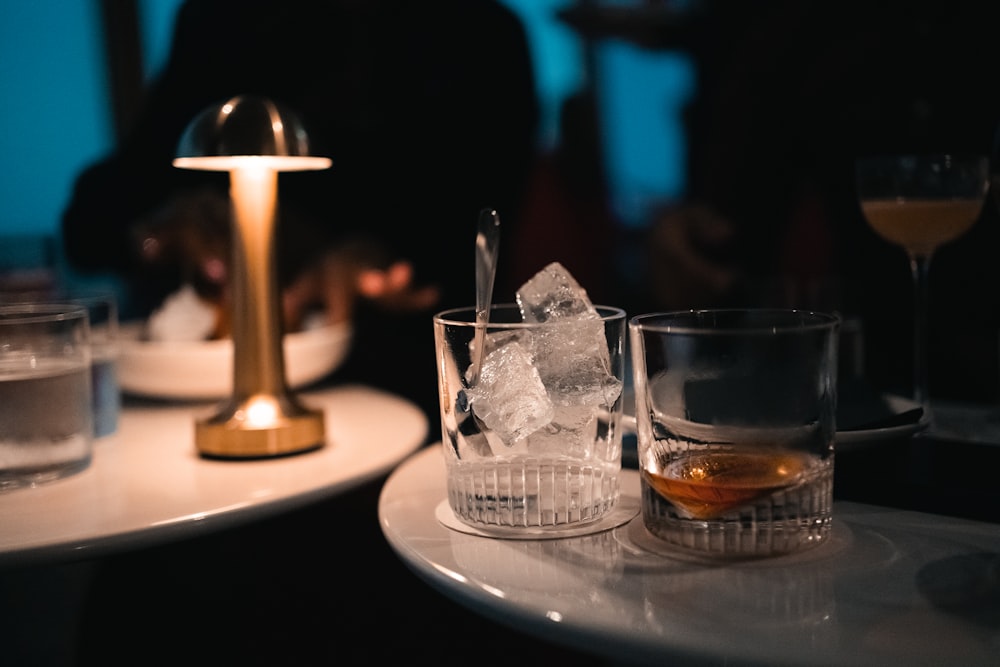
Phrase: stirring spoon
pixel 487 248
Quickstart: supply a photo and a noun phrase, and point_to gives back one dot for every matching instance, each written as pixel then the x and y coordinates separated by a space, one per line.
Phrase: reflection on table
pixel 891 587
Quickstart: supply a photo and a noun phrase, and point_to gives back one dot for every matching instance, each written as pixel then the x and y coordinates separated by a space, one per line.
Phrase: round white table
pixel 147 484
pixel 891 587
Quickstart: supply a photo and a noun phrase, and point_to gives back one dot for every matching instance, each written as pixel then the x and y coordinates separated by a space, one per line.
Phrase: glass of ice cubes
pixel 532 421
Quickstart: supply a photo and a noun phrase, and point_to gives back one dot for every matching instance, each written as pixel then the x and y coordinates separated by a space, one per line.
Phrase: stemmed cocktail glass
pixel 920 202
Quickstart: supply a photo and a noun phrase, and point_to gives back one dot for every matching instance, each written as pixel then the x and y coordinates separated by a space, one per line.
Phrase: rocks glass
pixel 532 439
pixel 735 413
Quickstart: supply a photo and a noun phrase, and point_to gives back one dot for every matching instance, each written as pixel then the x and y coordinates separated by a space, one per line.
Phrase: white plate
pixel 848 440
pixel 203 370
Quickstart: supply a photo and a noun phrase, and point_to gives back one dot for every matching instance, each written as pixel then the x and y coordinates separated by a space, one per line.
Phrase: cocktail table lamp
pixel 253 139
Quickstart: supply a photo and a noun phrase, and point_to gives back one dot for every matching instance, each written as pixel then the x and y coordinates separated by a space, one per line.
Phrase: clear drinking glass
pixel 736 419
pixel 535 445
pixel 46 417
pixel 920 202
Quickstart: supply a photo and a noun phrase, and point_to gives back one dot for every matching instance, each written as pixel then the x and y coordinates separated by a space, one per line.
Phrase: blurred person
pixel 790 94
pixel 428 111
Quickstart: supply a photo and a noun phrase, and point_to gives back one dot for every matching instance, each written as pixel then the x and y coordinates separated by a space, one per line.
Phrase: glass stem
pixel 920 268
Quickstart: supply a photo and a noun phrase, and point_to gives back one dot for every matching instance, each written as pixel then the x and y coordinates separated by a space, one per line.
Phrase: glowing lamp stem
pixel 260 363
pixel 261 418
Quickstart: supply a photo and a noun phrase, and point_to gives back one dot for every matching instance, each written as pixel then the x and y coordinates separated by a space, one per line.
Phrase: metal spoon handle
pixel 487 247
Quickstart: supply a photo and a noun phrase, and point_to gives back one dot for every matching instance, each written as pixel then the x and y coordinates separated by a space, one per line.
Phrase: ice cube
pixel 510 398
pixel 579 379
pixel 572 432
pixel 554 294
pixel 572 358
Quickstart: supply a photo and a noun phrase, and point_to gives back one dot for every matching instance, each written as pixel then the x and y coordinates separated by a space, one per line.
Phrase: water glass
pixel 736 420
pixel 102 308
pixel 46 420
pixel 533 443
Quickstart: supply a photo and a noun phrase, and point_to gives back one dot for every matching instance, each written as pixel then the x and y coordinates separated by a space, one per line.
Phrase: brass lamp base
pixel 259 426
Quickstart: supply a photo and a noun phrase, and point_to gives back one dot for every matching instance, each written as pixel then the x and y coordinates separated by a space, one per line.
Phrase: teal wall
pixel 55 114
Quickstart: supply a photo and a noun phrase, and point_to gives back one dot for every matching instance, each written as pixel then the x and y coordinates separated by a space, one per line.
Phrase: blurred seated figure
pixel 790 94
pixel 428 111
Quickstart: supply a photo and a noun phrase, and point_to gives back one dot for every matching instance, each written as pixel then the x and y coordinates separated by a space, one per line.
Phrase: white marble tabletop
pixel 147 483
pixel 891 587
